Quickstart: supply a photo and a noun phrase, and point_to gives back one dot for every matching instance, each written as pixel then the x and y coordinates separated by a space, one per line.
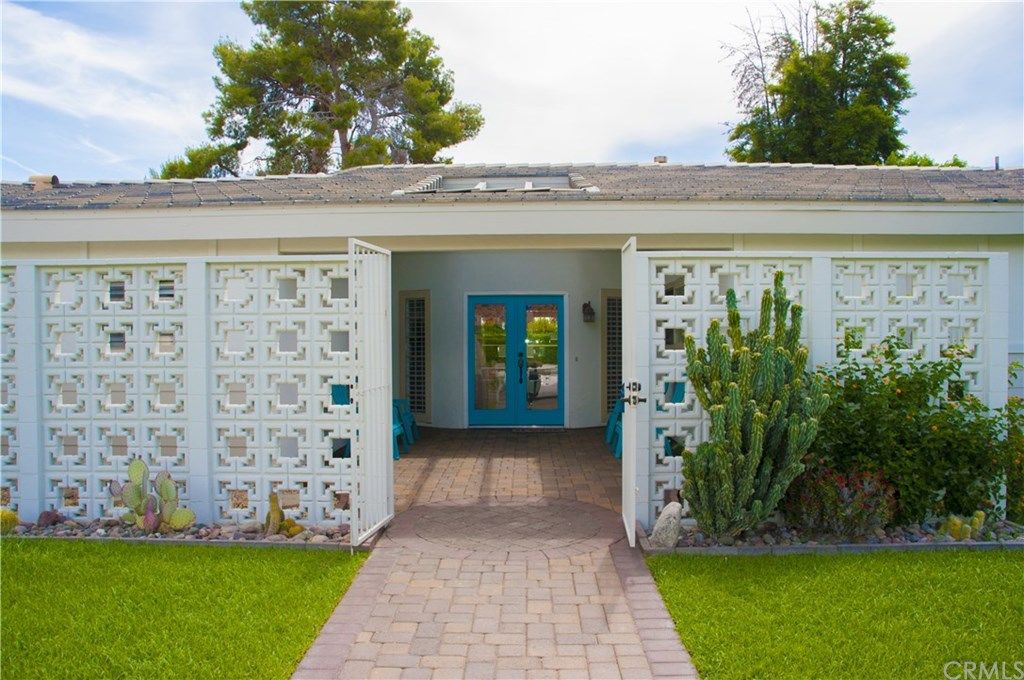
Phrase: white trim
pixel 521 218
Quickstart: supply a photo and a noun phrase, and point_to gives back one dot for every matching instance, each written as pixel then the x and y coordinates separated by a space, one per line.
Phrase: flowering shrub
pixel 850 504
pixel 941 448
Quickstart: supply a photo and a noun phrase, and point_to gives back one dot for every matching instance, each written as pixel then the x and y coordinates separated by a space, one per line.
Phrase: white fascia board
pixel 462 219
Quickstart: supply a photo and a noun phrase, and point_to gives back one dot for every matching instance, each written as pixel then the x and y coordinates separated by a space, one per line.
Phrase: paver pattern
pixel 502 586
pixel 452 464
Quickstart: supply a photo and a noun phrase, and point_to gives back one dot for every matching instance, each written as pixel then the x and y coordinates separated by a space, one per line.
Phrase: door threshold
pixel 515 427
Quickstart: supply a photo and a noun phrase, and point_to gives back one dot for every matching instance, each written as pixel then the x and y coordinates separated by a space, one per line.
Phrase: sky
pixel 101 91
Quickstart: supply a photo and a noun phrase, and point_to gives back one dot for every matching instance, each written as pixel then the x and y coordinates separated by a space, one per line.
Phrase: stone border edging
pixel 827 549
pixel 665 652
pixel 366 547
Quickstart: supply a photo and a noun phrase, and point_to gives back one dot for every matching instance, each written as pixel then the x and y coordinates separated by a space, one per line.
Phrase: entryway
pixel 516 362
pixel 453 465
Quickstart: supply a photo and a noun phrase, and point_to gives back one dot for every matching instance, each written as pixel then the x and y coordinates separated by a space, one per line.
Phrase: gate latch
pixel 632 393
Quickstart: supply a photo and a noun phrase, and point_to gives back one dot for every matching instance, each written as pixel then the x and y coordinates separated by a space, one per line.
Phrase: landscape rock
pixel 49 518
pixel 665 533
pixel 318 538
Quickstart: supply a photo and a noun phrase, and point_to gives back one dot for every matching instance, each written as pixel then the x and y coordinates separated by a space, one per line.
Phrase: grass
pixel 880 615
pixel 71 609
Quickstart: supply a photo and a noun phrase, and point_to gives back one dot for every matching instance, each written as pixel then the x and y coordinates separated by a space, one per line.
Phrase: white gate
pixel 373 493
pixel 631 388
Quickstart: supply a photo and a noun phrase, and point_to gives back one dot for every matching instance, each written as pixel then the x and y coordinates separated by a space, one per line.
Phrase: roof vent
pixel 41 182
pixel 661 159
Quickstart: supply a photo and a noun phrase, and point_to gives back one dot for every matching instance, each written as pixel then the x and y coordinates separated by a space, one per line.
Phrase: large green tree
pixel 825 86
pixel 328 85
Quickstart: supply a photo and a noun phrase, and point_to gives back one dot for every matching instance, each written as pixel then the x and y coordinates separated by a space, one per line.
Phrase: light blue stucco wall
pixel 451 276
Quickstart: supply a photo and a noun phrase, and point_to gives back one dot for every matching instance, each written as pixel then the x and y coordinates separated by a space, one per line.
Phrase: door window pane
pixel 542 357
pixel 489 355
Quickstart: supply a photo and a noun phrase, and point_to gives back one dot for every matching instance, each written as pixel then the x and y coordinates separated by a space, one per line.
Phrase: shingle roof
pixel 607 182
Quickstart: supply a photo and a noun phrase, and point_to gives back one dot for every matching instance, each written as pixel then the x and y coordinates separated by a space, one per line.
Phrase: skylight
pixel 437 184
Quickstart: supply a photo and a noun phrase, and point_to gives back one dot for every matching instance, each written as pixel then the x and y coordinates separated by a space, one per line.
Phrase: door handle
pixel 520 368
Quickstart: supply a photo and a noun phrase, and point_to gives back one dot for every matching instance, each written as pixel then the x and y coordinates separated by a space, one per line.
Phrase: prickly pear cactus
pixel 134 497
pixel 167 490
pixel 151 520
pixel 181 519
pixel 138 472
pixel 764 408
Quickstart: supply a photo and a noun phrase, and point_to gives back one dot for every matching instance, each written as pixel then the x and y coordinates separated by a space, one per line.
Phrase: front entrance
pixel 516 362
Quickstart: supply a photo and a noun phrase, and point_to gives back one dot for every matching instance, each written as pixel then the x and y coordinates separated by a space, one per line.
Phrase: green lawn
pixel 881 615
pixel 71 609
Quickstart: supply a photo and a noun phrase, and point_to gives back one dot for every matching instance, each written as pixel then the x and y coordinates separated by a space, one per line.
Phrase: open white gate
pixel 373 495
pixel 631 388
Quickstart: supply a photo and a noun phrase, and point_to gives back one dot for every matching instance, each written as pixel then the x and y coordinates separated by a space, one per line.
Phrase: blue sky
pixel 110 90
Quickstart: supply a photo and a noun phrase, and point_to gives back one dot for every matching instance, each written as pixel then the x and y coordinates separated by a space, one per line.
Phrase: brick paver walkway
pixel 503 584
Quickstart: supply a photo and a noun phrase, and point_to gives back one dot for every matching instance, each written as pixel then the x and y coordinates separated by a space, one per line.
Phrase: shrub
pixel 1013 418
pixel 852 504
pixel 764 410
pixel 943 450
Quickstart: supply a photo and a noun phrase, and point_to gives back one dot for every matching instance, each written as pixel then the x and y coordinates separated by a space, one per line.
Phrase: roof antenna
pixel 997 162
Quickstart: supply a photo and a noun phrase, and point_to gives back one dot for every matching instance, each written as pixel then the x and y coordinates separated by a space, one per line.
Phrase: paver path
pixel 530 587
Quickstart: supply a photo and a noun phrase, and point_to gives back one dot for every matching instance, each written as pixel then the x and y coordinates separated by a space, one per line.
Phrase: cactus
pixel 8 520
pixel 151 520
pixel 274 516
pixel 764 408
pixel 167 490
pixel 960 529
pixel 181 519
pixel 138 471
pixel 151 509
pixel 134 497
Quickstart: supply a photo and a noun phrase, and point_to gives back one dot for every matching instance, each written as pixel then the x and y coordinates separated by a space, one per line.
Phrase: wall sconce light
pixel 588 312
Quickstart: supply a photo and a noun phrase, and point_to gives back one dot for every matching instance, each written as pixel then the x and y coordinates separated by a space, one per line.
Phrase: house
pixel 248 334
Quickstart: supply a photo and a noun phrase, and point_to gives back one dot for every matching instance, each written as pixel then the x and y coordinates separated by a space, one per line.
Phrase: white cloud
pixel 588 80
pixel 558 81
pixel 138 81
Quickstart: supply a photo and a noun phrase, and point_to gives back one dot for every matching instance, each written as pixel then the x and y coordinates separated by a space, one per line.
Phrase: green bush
pixel 942 449
pixel 1013 418
pixel 764 410
pixel 844 504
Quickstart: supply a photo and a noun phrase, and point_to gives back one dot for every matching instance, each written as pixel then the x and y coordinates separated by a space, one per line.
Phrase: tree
pixel 823 85
pixel 328 85
pixel 923 160
pixel 208 160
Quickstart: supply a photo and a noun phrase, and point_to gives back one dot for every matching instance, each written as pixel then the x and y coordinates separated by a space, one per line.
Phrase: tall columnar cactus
pixel 764 408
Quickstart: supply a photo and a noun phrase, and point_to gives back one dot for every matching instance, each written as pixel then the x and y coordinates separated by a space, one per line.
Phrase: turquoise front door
pixel 515 360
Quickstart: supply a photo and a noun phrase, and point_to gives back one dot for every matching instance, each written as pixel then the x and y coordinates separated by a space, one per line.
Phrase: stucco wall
pixel 451 276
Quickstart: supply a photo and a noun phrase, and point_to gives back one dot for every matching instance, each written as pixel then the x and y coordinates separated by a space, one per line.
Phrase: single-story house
pixel 249 334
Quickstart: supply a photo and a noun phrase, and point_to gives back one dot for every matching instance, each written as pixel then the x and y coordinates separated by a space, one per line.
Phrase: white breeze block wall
pixel 219 372
pixel 932 301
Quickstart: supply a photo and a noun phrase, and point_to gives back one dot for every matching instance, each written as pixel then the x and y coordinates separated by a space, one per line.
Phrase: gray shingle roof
pixel 613 182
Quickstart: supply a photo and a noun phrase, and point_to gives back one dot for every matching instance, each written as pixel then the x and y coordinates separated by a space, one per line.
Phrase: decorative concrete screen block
pixel 273 356
pixel 107 394
pixel 930 304
pixel 684 295
pixel 10 448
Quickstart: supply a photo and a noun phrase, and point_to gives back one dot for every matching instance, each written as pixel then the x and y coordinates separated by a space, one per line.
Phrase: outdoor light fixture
pixel 588 312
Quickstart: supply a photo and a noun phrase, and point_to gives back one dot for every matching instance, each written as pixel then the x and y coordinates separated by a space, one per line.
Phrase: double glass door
pixel 515 360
